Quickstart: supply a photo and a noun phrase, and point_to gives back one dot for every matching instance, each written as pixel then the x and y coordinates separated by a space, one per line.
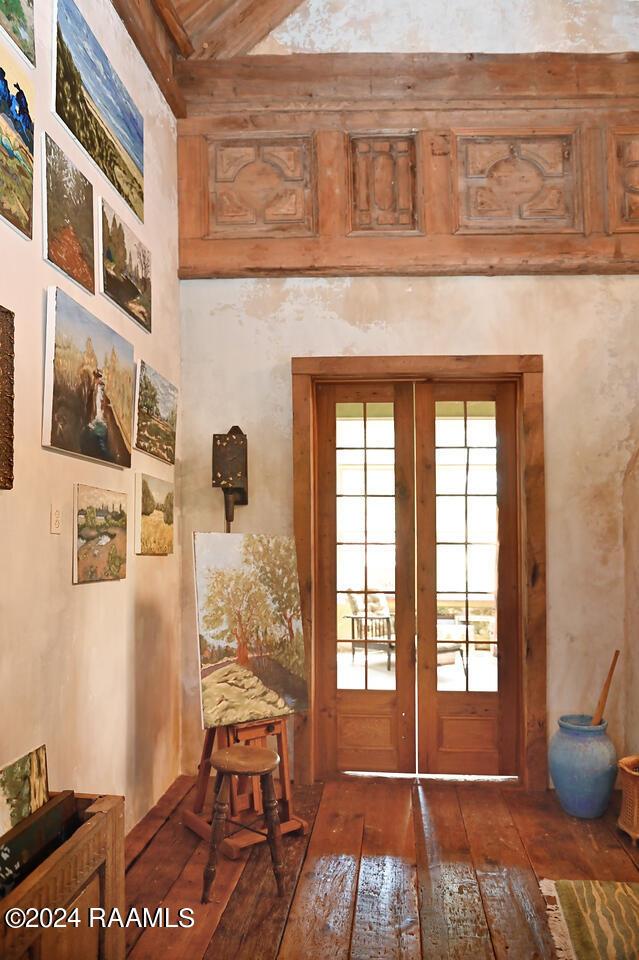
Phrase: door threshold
pixel 446 777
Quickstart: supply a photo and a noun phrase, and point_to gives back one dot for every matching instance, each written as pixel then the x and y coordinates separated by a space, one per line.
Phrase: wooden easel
pixel 246 798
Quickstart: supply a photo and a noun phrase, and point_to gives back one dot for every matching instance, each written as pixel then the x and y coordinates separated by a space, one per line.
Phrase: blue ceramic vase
pixel 583 765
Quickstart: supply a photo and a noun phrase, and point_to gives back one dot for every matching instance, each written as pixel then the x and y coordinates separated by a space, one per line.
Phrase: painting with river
pixel 89 384
pixel 101 534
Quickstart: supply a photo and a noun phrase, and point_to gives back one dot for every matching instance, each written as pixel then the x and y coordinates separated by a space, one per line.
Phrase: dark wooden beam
pixel 169 17
pixel 239 27
pixel 160 64
pixel 318 81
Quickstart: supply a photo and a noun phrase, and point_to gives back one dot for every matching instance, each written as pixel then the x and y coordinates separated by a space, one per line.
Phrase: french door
pixel 417 577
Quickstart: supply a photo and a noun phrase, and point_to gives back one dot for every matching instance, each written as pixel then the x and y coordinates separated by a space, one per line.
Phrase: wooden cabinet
pixel 85 871
pixel 417 164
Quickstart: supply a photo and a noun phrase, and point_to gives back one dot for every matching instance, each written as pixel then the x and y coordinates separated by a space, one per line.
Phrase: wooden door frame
pixel 527 372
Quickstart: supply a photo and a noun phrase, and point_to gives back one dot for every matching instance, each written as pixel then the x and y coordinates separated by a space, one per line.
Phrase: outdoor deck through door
pixel 418 583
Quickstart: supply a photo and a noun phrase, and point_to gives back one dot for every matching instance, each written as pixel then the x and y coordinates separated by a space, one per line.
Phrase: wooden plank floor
pixel 390 870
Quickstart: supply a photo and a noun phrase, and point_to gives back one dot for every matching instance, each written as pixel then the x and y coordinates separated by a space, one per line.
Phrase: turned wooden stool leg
pixel 218 830
pixel 273 827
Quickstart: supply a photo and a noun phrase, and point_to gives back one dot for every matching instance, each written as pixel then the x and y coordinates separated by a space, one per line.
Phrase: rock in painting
pixel 126 268
pixel 16 17
pixel 88 385
pixel 95 105
pixel 250 629
pixel 101 519
pixel 16 142
pixel 153 516
pixel 69 217
pixel 156 414
pixel 24 788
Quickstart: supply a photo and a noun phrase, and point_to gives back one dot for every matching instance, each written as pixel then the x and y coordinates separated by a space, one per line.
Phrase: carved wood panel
pixel 261 187
pixel 523 184
pixel 383 184
pixel 624 182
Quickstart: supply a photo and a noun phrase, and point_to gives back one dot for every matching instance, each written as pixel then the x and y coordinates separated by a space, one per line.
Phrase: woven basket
pixel 629 816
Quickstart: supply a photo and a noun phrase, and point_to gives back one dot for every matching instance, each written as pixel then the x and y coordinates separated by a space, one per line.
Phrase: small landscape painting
pixel 156 414
pixel 153 516
pixel 24 788
pixel 95 105
pixel 16 18
pixel 126 268
pixel 251 642
pixel 6 398
pixel 16 142
pixel 69 217
pixel 89 383
pixel 101 523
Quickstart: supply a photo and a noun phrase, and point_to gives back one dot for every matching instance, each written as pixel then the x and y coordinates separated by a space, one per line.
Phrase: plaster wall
pixel 238 339
pixel 92 670
pixel 424 26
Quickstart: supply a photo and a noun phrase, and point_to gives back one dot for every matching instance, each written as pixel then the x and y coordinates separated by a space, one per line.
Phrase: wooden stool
pixel 240 760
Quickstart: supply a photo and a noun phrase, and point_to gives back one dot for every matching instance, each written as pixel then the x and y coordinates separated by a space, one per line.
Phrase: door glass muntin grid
pixel 365 494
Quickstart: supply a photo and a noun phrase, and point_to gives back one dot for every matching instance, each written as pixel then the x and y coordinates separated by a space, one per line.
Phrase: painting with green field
pixel 97 108
pixel 101 534
pixel 16 142
pixel 153 516
pixel 251 644
pixel 24 788
pixel 126 268
pixel 16 19
pixel 68 233
pixel 89 384
pixel 156 414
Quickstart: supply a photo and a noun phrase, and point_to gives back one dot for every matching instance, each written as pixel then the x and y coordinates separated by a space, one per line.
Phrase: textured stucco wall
pixel 495 26
pixel 92 670
pixel 630 668
pixel 239 337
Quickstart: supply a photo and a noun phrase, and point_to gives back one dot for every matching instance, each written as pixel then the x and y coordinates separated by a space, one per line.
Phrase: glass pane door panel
pixel 380 473
pixel 482 568
pixel 351 666
pixel 451 470
pixel 451 568
pixel 481 423
pixel 451 519
pixel 380 425
pixel 351 475
pixel 380 519
pixel 349 425
pixel 380 568
pixel 482 471
pixel 449 426
pixel 482 519
pixel 351 519
pixel 351 568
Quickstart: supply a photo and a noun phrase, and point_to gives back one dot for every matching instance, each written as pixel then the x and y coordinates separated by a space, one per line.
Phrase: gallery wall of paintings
pixel 89 365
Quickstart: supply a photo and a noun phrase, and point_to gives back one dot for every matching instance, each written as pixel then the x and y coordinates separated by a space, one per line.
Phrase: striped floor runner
pixel 592 919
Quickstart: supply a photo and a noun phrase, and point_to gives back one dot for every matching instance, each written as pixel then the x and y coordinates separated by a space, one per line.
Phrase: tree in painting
pixel 154 516
pixel 69 217
pixel 16 17
pixel 16 144
pixel 251 640
pixel 157 414
pixel 126 268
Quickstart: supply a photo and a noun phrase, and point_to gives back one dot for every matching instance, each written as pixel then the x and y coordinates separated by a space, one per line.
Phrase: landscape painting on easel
pixel 89 382
pixel 16 17
pixel 95 105
pixel 252 664
pixel 24 788
pixel 16 142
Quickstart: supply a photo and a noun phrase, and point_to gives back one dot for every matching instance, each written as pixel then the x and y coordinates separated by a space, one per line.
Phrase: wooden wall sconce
pixel 230 470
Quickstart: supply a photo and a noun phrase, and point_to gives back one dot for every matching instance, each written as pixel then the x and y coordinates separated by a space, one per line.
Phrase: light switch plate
pixel 56 519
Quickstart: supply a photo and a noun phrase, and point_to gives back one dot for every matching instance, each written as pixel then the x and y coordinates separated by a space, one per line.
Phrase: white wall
pixel 493 26
pixel 92 670
pixel 238 338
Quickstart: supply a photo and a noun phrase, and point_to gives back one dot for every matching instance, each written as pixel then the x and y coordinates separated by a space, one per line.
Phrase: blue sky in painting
pixel 101 81
pixel 167 393
pixel 76 323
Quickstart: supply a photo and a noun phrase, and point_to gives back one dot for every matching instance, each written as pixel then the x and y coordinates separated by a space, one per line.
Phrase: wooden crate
pixel 85 870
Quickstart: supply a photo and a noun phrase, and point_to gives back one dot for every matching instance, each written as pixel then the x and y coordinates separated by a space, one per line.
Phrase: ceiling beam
pixel 160 65
pixel 239 27
pixel 169 17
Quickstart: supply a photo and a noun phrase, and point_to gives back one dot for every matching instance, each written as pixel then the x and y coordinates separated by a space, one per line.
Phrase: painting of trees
pixel 250 627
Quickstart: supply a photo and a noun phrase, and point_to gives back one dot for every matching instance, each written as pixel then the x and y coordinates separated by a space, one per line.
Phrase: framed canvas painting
pixel 17 142
pixel 16 19
pixel 153 516
pixel 24 788
pixel 6 399
pixel 101 534
pixel 94 104
pixel 68 216
pixel 89 383
pixel 126 268
pixel 156 419
pixel 251 642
